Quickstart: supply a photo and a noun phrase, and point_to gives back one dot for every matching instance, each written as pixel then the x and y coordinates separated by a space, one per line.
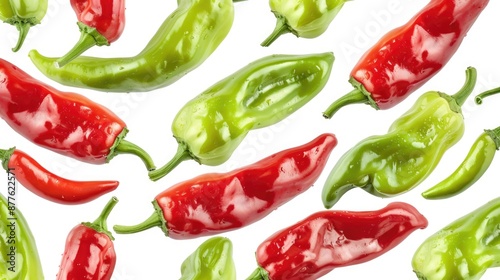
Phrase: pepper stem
pixel 126 147
pixel 5 157
pixel 181 155
pixel 467 88
pixel 280 29
pixel 122 146
pixel 23 28
pixel 355 96
pixel 258 274
pixel 479 97
pixel 155 220
pixel 100 224
pixel 89 37
pixel 495 136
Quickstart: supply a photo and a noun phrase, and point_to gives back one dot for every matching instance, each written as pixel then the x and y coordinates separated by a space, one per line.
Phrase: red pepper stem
pixel 89 37
pixel 100 224
pixel 5 157
pixel 155 220
pixel 23 28
pixel 122 146
pixel 181 155
pixel 467 88
pixel 126 147
pixel 258 274
pixel 479 97
pixel 356 96
pixel 280 29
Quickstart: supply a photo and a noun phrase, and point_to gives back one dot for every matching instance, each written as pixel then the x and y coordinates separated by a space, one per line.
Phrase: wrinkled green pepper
pixel 19 258
pixel 23 14
pixel 183 42
pixel 303 18
pixel 464 249
pixel 212 260
pixel 211 126
pixel 394 163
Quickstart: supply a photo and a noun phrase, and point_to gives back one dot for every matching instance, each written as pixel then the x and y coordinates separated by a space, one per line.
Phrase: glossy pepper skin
pixel 213 203
pixel 187 37
pixel 212 260
pixel 16 238
pixel 64 122
pixel 211 126
pixel 325 240
pixel 475 164
pixel 89 251
pixel 462 250
pixel 23 14
pixel 45 184
pixel 302 18
pixel 101 22
pixel 394 163
pixel 407 57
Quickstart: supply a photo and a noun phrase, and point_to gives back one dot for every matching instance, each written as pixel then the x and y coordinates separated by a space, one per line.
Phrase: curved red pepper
pixel 214 203
pixel 45 184
pixel 407 57
pixel 101 22
pixel 64 122
pixel 89 251
pixel 326 240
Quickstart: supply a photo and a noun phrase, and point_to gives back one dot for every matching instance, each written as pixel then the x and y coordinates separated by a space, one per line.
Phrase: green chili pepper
pixel 212 260
pixel 212 125
pixel 304 18
pixel 471 169
pixel 182 43
pixel 464 249
pixel 23 14
pixel 19 258
pixel 394 163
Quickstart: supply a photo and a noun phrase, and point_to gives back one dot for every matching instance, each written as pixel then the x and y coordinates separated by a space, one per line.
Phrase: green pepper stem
pixel 126 147
pixel 181 155
pixel 479 97
pixel 89 37
pixel 153 221
pixel 356 96
pixel 23 28
pixel 100 224
pixel 467 88
pixel 280 29
pixel 495 136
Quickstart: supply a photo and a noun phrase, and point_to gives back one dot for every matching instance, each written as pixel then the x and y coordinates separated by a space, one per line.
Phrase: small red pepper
pixel 407 57
pixel 101 22
pixel 214 203
pixel 89 251
pixel 326 240
pixel 64 122
pixel 45 184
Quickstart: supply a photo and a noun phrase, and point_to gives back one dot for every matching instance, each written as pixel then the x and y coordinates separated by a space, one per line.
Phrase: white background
pixel 151 255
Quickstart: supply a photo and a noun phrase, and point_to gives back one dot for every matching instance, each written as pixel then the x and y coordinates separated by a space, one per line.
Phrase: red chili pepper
pixel 101 22
pixel 45 184
pixel 214 203
pixel 407 57
pixel 326 240
pixel 64 122
pixel 89 251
